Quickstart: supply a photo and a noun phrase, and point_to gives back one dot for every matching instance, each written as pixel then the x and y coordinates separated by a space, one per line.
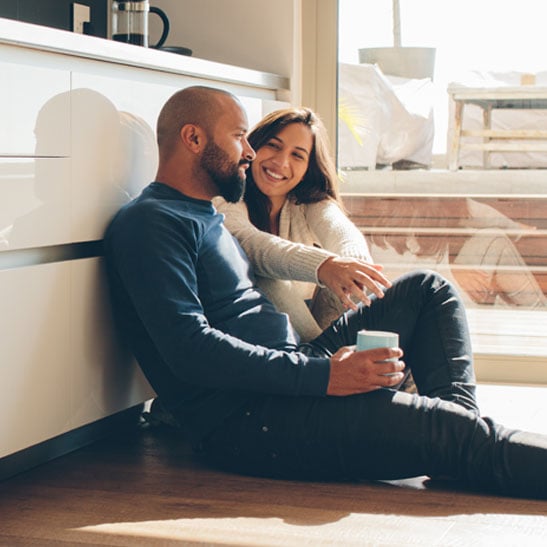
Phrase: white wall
pixel 257 34
pixel 292 38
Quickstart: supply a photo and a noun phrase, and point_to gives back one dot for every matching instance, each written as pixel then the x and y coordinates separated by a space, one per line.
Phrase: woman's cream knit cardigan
pixel 286 266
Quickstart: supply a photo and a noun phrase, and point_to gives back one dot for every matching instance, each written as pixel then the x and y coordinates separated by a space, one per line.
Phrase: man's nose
pixel 248 153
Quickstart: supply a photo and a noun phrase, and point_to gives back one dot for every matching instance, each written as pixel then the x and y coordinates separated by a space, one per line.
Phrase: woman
pixel 310 259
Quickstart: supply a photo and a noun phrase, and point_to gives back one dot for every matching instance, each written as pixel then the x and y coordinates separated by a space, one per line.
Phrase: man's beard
pixel 225 174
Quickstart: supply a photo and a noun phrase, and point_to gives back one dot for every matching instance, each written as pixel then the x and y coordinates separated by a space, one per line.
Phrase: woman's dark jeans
pixel 387 434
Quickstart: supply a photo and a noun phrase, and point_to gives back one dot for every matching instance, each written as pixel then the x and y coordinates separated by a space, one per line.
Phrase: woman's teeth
pixel 273 175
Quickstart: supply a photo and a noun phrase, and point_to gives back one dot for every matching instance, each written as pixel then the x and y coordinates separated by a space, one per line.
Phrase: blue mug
pixel 371 339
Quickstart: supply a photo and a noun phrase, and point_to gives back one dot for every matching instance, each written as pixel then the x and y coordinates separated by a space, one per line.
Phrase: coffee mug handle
pixel 166 27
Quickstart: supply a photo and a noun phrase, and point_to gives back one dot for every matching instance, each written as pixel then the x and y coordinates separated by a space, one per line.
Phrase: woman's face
pixel 282 162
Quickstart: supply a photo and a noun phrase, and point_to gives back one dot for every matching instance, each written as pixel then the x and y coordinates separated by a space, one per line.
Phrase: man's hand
pixel 353 372
pixel 347 277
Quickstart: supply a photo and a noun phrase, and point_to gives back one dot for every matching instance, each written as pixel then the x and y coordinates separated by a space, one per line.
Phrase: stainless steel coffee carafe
pixel 130 22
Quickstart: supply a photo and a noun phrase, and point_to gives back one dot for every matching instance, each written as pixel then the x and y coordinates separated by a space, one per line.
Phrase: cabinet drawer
pixel 113 156
pixel 114 150
pixel 34 202
pixel 34 105
pixel 108 379
pixel 34 368
pixel 61 365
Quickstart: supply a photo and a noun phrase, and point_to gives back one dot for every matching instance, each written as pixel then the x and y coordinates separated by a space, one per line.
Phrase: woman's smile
pixel 276 177
pixel 270 173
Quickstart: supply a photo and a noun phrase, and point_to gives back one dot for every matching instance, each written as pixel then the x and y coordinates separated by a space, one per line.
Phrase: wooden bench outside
pixel 524 97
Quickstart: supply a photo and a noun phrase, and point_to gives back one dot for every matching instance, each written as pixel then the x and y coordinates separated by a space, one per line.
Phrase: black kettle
pixel 130 22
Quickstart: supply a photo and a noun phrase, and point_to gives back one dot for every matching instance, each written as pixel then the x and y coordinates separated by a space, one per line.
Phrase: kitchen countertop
pixel 43 38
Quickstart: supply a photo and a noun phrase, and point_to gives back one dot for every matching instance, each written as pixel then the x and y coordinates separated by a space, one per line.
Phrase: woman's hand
pixel 353 372
pixel 347 277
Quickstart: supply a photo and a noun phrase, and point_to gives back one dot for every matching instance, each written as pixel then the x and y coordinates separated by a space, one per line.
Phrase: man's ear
pixel 192 137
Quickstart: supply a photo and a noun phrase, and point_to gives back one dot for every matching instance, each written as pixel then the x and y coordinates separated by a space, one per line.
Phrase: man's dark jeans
pixel 387 434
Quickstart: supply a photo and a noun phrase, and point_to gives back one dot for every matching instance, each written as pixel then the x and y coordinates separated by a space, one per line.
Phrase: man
pixel 229 366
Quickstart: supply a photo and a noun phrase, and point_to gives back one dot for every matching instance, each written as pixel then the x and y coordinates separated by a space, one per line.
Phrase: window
pixel 482 223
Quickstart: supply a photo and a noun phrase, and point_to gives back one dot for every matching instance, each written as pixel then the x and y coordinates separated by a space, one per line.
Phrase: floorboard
pixel 145 488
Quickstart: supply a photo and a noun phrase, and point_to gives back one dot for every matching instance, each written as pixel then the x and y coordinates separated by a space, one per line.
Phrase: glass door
pixel 442 150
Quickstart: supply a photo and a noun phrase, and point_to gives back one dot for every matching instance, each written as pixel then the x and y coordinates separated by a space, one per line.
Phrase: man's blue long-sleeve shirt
pixel 183 295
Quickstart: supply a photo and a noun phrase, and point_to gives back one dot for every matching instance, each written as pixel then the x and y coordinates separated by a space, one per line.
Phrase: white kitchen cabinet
pixel 34 202
pixel 30 80
pixel 77 141
pixel 61 363
pixel 114 151
pixel 34 371
pixel 106 378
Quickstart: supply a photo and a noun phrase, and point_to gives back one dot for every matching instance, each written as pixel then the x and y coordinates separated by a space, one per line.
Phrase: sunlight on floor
pixel 523 406
pixel 351 529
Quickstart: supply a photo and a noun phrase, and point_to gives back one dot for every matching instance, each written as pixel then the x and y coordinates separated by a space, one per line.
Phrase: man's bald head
pixel 197 105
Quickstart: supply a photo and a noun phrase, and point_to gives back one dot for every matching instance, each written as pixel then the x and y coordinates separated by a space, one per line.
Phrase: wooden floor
pixel 144 488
